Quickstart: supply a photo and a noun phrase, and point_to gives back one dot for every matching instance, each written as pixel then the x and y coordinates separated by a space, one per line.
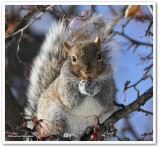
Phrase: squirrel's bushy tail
pixel 48 63
pixel 46 66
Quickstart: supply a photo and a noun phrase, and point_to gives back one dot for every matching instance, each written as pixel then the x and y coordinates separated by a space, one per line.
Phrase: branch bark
pixel 134 106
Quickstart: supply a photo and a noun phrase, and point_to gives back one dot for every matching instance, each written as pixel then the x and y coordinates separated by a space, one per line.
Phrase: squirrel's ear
pixel 67 45
pixel 97 40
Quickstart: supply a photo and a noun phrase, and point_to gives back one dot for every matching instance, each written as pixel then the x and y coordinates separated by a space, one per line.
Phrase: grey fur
pixel 50 71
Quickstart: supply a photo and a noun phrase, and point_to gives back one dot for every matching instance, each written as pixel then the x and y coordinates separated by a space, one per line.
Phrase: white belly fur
pixel 79 118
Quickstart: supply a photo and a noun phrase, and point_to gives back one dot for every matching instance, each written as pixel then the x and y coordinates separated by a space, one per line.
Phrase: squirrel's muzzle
pixel 89 74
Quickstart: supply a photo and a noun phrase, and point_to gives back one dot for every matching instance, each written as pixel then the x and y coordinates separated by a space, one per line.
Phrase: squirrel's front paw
pixel 95 87
pixel 90 88
pixel 84 87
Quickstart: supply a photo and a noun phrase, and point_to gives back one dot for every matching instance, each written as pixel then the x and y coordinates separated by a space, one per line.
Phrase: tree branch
pixel 134 106
pixel 136 42
pixel 30 23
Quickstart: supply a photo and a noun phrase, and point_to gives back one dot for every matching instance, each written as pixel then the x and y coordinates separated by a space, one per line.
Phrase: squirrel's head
pixel 85 58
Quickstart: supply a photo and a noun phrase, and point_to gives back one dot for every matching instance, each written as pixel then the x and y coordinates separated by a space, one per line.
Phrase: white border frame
pixel 82 2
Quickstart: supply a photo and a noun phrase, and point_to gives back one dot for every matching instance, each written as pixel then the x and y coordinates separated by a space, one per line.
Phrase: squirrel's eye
pixel 99 57
pixel 73 59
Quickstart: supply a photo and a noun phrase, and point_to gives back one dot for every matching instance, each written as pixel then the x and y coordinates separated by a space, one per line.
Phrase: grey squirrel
pixel 72 76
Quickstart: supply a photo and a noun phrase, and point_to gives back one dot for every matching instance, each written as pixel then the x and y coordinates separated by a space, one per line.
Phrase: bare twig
pixel 134 106
pixel 149 27
pixel 148 68
pixel 144 77
pixel 145 135
pixel 20 38
pixel 133 40
pixel 150 9
pixel 135 84
pixel 29 24
pixel 146 112
pixel 122 138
